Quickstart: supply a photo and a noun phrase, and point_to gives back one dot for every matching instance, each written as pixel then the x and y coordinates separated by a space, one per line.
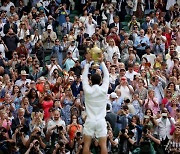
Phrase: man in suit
pixel 20 128
pixel 66 26
pixel 116 23
pixel 111 117
pixel 146 24
pixel 80 38
pixel 9 25
pixel 97 17
pixel 20 120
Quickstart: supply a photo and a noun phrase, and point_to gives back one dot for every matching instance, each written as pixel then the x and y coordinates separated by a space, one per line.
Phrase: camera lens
pixel 78 134
pixel 36 143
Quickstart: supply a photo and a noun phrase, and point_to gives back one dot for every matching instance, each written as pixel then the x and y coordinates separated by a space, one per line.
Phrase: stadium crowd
pixel 44 47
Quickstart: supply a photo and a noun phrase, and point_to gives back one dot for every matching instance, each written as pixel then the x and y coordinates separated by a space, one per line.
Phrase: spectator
pixel 49 37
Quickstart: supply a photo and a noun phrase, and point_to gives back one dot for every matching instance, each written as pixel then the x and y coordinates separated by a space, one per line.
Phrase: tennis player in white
pixel 95 103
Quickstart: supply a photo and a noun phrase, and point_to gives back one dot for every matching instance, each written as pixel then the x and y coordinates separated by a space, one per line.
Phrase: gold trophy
pixel 95 53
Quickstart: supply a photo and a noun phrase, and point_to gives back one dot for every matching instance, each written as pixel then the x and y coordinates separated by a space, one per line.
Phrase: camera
pixel 59 128
pixel 78 134
pixel 38 133
pixel 36 143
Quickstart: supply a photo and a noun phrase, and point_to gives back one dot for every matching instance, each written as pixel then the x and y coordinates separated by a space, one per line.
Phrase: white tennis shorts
pixel 96 128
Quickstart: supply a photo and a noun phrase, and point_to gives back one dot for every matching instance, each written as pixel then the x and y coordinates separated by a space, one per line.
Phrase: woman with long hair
pixel 23 31
pixel 172 107
pixel 144 77
pixel 33 98
pixel 173 146
pixel 141 90
pixel 167 98
pixel 73 128
pixel 111 50
pixel 172 87
pixel 16 96
pixel 67 102
pixel 46 103
pixel 149 120
pixel 136 128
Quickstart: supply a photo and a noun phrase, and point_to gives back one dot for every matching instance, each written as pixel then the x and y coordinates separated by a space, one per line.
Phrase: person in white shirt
pixel 95 103
pixel 55 122
pixel 54 65
pixel 3 47
pixel 23 83
pixel 90 26
pixel 149 56
pixel 126 89
pixel 112 50
pixel 75 52
pixel 130 73
pixel 164 125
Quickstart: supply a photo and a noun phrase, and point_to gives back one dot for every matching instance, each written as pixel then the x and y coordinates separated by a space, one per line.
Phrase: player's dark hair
pixel 96 79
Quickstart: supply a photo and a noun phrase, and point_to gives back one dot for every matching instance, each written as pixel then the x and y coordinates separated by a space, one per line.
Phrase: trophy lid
pixel 96 49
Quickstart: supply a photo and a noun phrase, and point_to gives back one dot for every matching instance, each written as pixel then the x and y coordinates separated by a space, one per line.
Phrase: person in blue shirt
pixel 77 86
pixel 140 43
pixel 63 12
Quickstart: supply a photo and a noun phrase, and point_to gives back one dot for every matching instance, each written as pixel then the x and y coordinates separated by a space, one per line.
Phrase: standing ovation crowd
pixel 44 47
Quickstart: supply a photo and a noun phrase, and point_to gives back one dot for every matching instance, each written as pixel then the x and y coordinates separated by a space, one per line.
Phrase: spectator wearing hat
pixel 74 49
pixel 66 26
pixel 116 105
pixel 126 89
pixel 23 83
pixel 68 62
pixel 51 21
pixel 49 37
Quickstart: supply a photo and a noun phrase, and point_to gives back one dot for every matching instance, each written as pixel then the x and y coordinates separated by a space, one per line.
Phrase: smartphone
pixel 164 114
pixel 146 117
